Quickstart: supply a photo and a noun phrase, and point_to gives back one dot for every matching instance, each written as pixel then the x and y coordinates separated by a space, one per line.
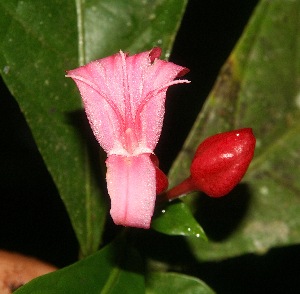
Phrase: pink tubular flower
pixel 124 99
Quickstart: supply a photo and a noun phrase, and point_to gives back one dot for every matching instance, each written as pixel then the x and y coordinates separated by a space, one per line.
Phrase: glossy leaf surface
pixel 177 219
pixel 107 271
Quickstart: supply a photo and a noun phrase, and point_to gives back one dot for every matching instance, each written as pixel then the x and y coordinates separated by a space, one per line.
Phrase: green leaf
pixel 258 87
pixel 39 42
pixel 117 268
pixel 106 26
pixel 175 283
pixel 176 219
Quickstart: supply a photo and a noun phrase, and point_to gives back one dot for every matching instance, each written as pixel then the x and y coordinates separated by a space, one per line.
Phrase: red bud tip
pixel 222 160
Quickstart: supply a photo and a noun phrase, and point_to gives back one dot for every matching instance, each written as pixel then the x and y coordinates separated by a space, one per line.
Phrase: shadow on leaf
pixel 95 153
pixel 219 217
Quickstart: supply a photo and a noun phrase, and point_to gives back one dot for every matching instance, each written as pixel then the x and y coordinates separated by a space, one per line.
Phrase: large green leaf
pixel 258 87
pixel 39 41
pixel 161 283
pixel 113 269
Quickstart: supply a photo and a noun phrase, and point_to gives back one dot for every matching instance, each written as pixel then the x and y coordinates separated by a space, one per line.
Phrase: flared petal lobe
pixel 122 93
pixel 100 86
pixel 149 79
pixel 132 189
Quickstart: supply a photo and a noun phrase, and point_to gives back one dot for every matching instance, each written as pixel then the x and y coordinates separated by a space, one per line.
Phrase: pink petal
pixel 147 88
pixel 131 185
pixel 124 99
pixel 101 89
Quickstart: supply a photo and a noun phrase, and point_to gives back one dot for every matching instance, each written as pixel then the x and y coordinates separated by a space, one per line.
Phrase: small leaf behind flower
pixel 176 219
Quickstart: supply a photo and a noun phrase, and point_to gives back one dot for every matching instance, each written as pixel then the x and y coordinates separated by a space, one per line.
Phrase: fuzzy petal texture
pixel 124 99
pixel 132 189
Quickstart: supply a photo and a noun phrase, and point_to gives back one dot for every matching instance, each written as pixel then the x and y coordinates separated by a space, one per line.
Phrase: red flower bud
pixel 221 161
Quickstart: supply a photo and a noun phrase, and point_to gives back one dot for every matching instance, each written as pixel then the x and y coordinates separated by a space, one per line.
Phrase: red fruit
pixel 221 161
pixel 162 182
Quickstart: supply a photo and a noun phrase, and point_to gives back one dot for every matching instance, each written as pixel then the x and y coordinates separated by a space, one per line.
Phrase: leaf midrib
pixel 87 167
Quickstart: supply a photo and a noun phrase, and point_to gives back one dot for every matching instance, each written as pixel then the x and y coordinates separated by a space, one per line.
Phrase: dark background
pixel 33 219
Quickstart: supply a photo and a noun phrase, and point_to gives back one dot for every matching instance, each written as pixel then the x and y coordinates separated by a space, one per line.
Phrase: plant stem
pixel 181 189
